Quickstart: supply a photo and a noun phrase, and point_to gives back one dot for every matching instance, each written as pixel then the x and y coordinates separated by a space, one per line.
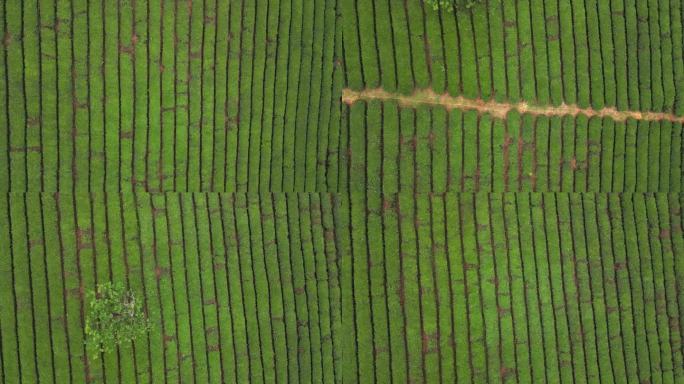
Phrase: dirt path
pixel 500 110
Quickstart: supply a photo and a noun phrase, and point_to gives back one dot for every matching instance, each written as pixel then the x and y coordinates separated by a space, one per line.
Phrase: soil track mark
pixel 500 110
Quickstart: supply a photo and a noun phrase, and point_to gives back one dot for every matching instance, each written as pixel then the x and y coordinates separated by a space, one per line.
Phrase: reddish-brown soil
pixel 500 110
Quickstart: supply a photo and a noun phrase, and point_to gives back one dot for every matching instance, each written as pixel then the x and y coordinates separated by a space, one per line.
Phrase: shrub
pixel 114 316
pixel 451 5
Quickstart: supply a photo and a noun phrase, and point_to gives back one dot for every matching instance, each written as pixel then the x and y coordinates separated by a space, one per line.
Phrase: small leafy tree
pixel 451 5
pixel 114 316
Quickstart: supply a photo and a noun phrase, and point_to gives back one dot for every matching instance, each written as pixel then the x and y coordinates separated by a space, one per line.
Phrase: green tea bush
pixel 114 316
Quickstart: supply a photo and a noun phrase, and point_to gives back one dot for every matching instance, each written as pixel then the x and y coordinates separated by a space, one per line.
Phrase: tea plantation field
pixel 344 191
pixel 168 95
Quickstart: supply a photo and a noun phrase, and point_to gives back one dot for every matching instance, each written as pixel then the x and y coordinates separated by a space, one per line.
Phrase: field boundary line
pixel 500 110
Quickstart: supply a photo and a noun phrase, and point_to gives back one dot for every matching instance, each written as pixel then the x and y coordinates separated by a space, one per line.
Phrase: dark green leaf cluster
pixel 114 316
pixel 450 5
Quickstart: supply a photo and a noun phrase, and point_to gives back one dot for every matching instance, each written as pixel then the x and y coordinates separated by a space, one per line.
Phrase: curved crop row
pixel 237 288
pixel 619 53
pixel 158 96
pixel 573 282
pixel 425 149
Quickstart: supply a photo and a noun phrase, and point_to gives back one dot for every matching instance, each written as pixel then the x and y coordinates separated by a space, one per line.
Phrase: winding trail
pixel 500 110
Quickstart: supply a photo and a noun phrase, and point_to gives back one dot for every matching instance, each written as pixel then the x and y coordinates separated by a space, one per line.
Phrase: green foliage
pixel 114 316
pixel 451 5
